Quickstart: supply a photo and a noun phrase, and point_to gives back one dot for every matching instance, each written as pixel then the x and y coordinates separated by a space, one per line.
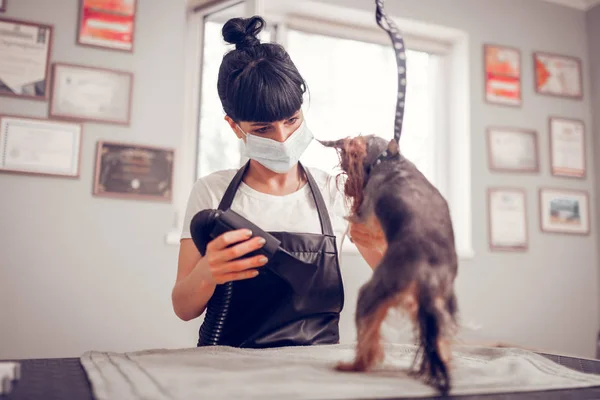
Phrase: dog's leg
pixel 435 325
pixel 369 350
pixel 375 298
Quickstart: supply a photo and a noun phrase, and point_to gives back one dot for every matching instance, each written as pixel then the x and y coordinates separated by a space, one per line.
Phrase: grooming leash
pixel 394 33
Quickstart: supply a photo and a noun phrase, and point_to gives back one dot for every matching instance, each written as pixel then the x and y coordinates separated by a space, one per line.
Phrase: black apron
pixel 264 311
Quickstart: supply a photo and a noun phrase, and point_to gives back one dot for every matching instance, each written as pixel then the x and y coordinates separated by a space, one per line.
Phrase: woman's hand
pixel 221 263
pixel 369 236
pixel 370 241
pixel 198 276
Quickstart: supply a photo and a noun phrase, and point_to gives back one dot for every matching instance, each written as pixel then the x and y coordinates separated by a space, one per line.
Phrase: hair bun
pixel 243 31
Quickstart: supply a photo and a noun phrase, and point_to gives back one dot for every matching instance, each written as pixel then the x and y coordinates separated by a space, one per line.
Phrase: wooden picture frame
pixel 561 211
pixel 554 75
pixel 134 171
pixel 100 89
pixel 94 22
pixel 510 217
pixel 33 82
pixel 19 154
pixel 495 134
pixel 568 166
pixel 503 75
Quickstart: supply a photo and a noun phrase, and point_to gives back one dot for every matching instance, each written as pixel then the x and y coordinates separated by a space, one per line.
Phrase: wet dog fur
pixel 419 265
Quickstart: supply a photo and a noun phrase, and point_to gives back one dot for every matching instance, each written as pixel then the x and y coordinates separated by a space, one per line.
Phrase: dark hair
pixel 257 81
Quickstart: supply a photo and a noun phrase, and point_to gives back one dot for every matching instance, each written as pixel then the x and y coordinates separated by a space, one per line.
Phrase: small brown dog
pixel 419 265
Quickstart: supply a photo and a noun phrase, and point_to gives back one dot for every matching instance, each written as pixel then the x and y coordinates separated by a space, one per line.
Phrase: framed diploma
pixel 564 211
pixel 83 93
pixel 567 147
pixel 513 150
pixel 25 49
pixel 507 211
pixel 3 5
pixel 557 75
pixel 107 24
pixel 502 75
pixel 133 171
pixel 40 146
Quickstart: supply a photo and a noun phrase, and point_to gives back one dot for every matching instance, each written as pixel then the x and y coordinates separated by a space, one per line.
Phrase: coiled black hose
pixel 216 315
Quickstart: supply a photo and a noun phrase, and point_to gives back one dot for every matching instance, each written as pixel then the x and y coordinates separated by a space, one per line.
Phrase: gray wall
pixel 73 279
pixel 77 271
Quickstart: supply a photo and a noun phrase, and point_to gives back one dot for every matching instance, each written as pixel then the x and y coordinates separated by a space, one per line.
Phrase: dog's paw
pixel 349 367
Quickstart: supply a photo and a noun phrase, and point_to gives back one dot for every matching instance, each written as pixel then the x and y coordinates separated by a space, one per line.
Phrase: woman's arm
pixel 192 289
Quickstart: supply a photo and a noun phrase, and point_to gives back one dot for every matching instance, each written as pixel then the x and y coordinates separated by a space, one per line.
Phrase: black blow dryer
pixel 208 225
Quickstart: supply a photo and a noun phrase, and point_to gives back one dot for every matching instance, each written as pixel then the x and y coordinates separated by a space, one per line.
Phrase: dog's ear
pixel 336 144
pixel 393 147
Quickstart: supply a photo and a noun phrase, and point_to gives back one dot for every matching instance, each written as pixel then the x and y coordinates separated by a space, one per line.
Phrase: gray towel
pixel 306 373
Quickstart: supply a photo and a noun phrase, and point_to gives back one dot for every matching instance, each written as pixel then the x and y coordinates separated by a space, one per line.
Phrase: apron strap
pixel 326 227
pixel 232 188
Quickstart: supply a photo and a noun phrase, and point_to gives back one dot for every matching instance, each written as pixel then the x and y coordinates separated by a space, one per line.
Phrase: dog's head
pixel 356 155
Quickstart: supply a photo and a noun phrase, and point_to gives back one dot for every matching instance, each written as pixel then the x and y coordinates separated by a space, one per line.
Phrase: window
pixel 353 90
pixel 350 69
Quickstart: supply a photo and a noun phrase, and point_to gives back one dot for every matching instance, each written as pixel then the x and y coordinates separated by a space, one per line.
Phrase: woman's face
pixel 278 130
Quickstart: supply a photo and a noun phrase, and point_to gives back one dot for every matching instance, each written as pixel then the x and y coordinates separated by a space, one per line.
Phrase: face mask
pixel 277 156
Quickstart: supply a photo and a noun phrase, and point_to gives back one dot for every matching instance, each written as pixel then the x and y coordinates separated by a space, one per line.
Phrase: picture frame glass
pixel 558 75
pixel 91 94
pixel 513 150
pixel 24 59
pixel 507 219
pixel 564 211
pixel 502 75
pixel 40 146
pixel 107 24
pixel 134 171
pixel 567 148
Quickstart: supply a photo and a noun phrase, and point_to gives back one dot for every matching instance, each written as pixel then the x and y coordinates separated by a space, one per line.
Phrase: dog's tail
pixel 436 320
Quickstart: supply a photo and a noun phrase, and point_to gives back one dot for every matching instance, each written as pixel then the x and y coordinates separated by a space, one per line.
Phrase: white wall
pixel 548 297
pixel 72 279
pixel 79 272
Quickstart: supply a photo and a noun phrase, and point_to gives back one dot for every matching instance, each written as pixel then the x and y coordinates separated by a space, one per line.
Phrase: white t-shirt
pixel 295 212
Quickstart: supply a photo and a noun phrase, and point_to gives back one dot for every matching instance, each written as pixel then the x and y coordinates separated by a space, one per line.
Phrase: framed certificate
pixel 557 75
pixel 40 146
pixel 567 147
pixel 108 24
pixel 83 93
pixel 133 171
pixel 507 210
pixel 502 75
pixel 3 5
pixel 564 211
pixel 25 49
pixel 513 150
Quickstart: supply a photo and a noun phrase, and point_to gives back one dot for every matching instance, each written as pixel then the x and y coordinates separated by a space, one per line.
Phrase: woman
pixel 261 92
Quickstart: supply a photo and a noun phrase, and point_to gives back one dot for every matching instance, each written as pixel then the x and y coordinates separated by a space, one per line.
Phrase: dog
pixel 419 264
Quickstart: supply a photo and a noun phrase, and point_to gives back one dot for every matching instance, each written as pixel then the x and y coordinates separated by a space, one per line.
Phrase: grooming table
pixel 65 378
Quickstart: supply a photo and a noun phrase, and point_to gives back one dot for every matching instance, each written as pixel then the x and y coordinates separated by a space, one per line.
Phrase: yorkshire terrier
pixel 419 264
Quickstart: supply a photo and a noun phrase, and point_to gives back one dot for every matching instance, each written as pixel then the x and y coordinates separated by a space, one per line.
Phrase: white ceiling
pixel 578 4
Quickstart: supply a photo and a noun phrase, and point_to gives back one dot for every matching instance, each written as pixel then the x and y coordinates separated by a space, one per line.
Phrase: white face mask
pixel 277 156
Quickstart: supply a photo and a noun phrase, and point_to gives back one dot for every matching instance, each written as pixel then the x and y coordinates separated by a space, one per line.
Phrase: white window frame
pixel 345 22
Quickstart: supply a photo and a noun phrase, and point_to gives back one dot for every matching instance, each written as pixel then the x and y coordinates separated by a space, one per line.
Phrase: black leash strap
pixel 390 27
